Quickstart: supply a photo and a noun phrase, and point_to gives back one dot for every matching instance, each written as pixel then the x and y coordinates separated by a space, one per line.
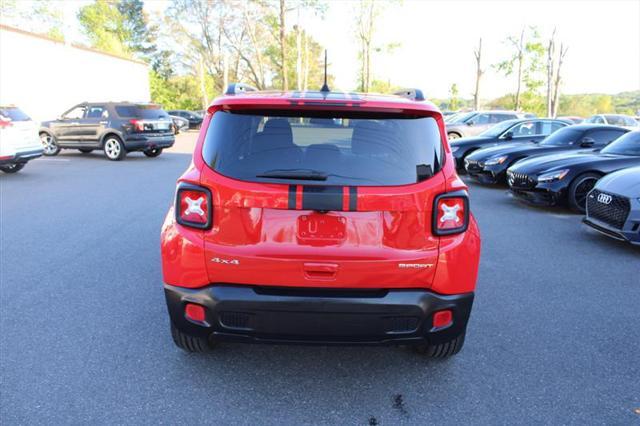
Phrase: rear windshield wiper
pixel 297 174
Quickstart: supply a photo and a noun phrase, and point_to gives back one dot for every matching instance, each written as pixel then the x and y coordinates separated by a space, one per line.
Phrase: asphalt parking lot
pixel 554 336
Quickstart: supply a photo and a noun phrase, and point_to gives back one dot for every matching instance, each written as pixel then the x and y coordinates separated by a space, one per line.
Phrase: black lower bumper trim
pixel 537 198
pixel 244 313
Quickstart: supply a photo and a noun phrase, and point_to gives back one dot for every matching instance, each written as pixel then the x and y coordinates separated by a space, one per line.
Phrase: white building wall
pixel 45 78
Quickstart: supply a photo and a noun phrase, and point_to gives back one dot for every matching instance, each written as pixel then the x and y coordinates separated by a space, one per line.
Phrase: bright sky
pixel 437 40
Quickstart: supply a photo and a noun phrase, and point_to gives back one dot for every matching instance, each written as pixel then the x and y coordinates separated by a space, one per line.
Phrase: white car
pixel 614 120
pixel 19 140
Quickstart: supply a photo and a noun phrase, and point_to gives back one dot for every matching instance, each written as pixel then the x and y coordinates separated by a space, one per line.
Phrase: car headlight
pixel 553 176
pixel 454 148
pixel 495 160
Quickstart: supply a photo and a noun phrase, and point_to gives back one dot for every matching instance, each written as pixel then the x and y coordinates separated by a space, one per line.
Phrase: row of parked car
pixel 593 169
pixel 472 123
pixel 113 127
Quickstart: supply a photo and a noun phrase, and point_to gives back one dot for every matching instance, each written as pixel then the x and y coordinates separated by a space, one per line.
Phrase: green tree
pixel 140 37
pixel 42 17
pixel 453 97
pixel 526 62
pixel 105 27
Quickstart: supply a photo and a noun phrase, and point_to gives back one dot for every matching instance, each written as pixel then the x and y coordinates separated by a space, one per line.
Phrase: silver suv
pixel 475 122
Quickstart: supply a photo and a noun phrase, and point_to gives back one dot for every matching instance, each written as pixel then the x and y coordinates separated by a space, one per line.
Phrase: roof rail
pixel 238 88
pixel 413 94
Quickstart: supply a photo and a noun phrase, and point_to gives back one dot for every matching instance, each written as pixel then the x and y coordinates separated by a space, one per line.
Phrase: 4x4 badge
pixel 226 261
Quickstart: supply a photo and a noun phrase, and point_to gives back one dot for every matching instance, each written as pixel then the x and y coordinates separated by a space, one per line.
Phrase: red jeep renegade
pixel 321 217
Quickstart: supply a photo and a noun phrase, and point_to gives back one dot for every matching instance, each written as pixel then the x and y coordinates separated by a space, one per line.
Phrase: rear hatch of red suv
pixel 317 198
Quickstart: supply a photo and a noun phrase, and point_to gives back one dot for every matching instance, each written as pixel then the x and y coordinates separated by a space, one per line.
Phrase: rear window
pixel 141 111
pixel 14 114
pixel 357 150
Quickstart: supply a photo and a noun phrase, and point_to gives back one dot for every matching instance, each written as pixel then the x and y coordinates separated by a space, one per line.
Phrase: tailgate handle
pixel 320 271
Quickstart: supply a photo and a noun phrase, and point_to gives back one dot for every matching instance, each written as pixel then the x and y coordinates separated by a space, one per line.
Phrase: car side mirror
pixel 508 136
pixel 587 142
pixel 470 123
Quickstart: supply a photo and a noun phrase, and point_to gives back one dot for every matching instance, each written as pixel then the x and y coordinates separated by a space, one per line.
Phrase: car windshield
pixel 345 149
pixel 13 114
pixel 461 117
pixel 563 137
pixel 141 111
pixel 629 144
pixel 498 128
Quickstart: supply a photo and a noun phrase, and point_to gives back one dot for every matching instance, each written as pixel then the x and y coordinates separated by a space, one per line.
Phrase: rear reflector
pixel 451 213
pixel 193 206
pixel 442 318
pixel 194 312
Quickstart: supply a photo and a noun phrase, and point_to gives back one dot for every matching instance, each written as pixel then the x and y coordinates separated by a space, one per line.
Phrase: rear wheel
pixel 578 190
pixel 49 144
pixel 190 343
pixel 452 136
pixel 442 350
pixel 85 150
pixel 152 152
pixel 12 168
pixel 114 148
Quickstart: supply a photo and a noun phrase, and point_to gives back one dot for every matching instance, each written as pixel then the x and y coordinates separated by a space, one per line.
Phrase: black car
pixel 195 120
pixel 510 131
pixel 489 165
pixel 114 127
pixel 560 178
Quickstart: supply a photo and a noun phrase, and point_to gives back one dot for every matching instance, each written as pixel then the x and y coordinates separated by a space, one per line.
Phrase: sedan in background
pixel 179 124
pixel 489 165
pixel 195 120
pixel 510 131
pixel 613 206
pixel 614 120
pixel 19 140
pixel 561 178
pixel 475 122
pixel 573 118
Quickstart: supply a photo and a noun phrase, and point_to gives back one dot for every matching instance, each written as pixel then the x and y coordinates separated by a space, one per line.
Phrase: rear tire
pixel 114 148
pixel 578 190
pixel 189 343
pixel 452 136
pixel 152 152
pixel 12 168
pixel 49 144
pixel 442 350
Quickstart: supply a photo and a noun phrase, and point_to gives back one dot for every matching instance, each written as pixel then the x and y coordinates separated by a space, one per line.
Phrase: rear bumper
pixel 21 156
pixel 257 314
pixel 142 142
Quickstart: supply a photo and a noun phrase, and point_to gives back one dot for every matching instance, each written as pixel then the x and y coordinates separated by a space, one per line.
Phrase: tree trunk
pixel 305 85
pixel 520 65
pixel 225 72
pixel 479 72
pixel 203 91
pixel 283 68
pixel 556 88
pixel 550 73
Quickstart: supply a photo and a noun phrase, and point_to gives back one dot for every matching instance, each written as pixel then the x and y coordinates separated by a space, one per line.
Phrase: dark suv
pixel 115 127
